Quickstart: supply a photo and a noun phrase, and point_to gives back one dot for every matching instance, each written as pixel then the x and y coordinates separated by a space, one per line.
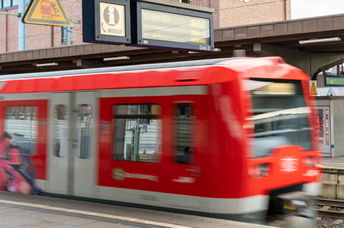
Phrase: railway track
pixel 330 208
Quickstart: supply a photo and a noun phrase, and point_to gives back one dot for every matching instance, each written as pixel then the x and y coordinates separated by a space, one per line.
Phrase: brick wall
pixel 214 4
pixel 8 32
pixel 3 33
pixel 236 12
pixel 73 9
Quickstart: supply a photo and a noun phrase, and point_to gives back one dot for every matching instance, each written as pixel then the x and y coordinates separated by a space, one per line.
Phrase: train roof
pixel 116 69
pixel 175 74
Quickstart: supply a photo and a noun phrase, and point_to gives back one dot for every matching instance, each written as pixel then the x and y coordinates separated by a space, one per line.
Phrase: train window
pixel 60 129
pixel 279 114
pixel 21 126
pixel 183 120
pixel 84 122
pixel 136 132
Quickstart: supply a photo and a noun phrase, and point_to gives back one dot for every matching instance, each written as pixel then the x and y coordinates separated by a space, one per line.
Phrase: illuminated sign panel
pixel 174 28
pixel 166 26
pixel 334 80
pixel 271 88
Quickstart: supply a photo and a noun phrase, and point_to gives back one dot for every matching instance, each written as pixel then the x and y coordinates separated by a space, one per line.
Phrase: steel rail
pixel 330 207
pixel 329 202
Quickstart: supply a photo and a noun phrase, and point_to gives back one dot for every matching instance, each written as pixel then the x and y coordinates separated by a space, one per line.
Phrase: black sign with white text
pixel 167 26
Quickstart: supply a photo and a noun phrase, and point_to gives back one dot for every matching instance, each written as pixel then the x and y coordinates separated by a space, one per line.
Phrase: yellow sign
pixel 313 90
pixel 46 12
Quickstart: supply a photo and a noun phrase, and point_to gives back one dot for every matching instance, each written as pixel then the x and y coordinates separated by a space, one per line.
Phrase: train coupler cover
pixel 295 203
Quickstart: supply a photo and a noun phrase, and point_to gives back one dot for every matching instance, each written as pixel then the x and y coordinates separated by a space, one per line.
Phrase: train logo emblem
pixel 289 165
pixel 118 174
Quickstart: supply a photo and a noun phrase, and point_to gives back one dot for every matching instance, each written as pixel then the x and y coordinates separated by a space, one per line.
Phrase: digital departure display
pixel 175 28
pixel 334 80
pixel 163 27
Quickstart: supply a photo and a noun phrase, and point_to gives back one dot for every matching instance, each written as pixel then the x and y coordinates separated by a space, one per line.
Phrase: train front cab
pixel 283 156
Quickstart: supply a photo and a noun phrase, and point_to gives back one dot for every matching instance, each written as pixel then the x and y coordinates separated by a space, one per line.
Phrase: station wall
pixel 227 13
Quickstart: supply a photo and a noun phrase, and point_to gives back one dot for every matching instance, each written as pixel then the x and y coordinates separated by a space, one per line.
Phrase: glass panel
pixel 184 118
pixel 172 27
pixel 280 115
pixel 84 122
pixel 324 124
pixel 67 34
pixel 21 128
pixel 7 3
pixel 15 2
pixel 136 132
pixel 60 130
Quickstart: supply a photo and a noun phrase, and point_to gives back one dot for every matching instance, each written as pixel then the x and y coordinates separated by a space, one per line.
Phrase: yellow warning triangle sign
pixel 46 12
pixel 313 91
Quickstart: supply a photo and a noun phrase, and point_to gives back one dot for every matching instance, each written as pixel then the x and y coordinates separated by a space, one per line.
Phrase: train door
pixel 130 147
pixel 84 145
pixel 71 158
pixel 59 156
pixel 186 132
pixel 325 130
pixel 23 144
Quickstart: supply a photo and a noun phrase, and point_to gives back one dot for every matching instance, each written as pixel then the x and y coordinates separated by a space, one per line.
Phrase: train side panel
pixel 24 137
pixel 157 167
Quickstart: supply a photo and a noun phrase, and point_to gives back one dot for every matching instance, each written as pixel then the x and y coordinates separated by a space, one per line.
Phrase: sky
pixel 315 8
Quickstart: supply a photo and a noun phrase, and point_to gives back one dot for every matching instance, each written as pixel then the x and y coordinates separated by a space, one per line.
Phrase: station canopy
pixel 312 35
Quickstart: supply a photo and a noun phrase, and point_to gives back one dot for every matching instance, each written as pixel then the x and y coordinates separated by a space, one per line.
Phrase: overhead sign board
pixel 149 23
pixel 172 27
pixel 333 80
pixel 106 21
pixel 46 12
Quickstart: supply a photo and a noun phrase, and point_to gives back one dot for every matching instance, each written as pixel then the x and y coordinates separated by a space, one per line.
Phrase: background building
pixel 39 36
pixel 315 8
pixel 227 13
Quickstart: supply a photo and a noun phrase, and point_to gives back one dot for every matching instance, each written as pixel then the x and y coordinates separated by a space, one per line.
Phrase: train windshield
pixel 279 114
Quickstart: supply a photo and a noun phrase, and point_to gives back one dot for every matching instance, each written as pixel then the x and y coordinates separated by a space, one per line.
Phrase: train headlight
pixel 260 170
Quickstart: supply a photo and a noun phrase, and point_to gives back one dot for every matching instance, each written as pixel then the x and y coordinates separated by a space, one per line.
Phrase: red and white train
pixel 217 137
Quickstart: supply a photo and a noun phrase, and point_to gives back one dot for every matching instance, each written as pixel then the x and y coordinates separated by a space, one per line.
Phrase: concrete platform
pixel 17 210
pixel 332 178
pixel 337 162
